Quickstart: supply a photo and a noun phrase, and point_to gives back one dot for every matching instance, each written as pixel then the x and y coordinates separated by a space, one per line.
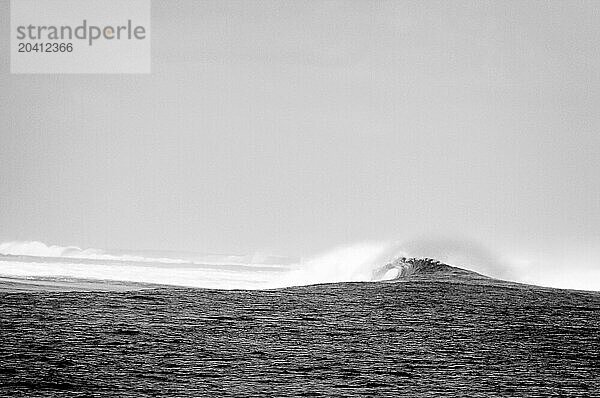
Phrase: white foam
pixel 351 263
pixel 343 264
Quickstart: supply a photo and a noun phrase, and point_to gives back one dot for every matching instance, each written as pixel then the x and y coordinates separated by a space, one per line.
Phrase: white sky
pixel 289 127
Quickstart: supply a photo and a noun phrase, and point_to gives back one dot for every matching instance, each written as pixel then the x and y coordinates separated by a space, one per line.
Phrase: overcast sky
pixel 289 127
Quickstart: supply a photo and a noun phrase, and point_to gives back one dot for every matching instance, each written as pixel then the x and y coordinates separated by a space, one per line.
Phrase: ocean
pixel 431 334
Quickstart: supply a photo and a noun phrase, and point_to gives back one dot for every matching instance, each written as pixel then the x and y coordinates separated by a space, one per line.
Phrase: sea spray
pixel 352 263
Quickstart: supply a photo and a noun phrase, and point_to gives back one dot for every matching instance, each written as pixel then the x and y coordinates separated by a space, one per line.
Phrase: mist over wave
pixel 350 263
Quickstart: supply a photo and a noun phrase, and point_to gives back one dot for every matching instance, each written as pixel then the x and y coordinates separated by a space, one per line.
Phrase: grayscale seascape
pixel 300 198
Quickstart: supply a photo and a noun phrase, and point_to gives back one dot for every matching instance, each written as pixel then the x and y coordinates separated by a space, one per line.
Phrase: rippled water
pixel 416 338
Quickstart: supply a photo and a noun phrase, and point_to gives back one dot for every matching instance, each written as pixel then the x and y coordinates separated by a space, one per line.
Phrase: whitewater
pixel 360 262
pixel 355 263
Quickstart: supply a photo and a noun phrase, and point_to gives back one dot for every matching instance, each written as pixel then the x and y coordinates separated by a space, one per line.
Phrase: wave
pixel 363 262
pixel 40 249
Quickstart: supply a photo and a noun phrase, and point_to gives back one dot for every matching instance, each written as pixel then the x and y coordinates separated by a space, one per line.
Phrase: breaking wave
pixel 40 249
pixel 363 262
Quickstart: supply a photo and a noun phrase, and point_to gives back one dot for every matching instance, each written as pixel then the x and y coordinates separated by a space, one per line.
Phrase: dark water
pixel 423 338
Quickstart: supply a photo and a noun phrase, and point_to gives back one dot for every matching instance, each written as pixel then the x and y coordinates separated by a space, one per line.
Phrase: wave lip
pixel 405 268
